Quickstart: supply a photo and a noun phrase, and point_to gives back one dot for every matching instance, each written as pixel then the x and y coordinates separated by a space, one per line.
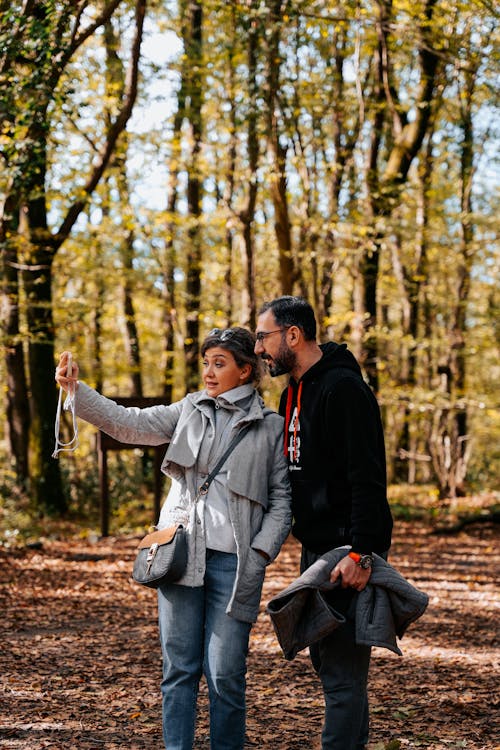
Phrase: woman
pixel 233 531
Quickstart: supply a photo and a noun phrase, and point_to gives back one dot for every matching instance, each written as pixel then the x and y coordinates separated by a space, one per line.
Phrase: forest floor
pixel 80 661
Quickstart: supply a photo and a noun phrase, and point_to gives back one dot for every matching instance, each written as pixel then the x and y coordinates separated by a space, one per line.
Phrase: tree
pixel 278 147
pixel 115 82
pixel 321 149
pixel 395 141
pixel 449 443
pixel 39 41
pixel 192 14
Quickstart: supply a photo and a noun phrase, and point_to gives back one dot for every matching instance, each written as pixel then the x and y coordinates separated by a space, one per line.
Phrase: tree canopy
pixel 168 167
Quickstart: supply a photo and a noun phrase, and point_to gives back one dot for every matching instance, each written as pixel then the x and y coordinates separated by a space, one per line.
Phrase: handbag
pixel 162 554
pixel 162 557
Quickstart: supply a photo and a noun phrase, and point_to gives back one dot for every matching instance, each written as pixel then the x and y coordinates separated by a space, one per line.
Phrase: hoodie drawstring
pixel 289 397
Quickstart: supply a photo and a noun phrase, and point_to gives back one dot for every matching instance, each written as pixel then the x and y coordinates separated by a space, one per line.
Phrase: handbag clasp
pixel 151 556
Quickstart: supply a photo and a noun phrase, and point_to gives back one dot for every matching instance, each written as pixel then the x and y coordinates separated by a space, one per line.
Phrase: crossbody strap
pixel 234 442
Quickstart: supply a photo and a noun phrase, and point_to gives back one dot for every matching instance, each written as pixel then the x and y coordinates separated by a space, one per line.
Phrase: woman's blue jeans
pixel 198 637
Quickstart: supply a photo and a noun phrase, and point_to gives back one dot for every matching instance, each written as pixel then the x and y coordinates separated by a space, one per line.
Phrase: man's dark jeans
pixel 342 667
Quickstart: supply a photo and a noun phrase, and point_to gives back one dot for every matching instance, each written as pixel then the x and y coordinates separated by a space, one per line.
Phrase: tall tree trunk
pixel 405 138
pixel 98 307
pixel 17 409
pixel 169 257
pixel 247 214
pixel 193 45
pixel 453 435
pixel 37 277
pixel 132 343
pixel 115 82
pixel 344 142
pixel 412 283
pixel 169 321
pixel 278 181
pixel 464 282
pixel 227 195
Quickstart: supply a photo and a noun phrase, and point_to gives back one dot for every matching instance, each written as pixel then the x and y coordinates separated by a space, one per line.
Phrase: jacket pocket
pixel 252 578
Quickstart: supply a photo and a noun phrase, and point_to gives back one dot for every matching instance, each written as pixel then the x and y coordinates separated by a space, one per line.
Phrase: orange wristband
pixel 355 556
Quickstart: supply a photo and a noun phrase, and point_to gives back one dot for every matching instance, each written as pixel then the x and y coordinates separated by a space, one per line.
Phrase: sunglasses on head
pixel 222 333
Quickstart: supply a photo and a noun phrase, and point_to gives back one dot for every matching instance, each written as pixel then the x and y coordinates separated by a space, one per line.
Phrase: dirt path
pixel 80 663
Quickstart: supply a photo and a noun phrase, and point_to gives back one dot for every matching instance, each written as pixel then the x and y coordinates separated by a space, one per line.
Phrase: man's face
pixel 272 347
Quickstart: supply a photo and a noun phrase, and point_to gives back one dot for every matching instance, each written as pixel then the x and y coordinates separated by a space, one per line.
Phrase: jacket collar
pixel 202 401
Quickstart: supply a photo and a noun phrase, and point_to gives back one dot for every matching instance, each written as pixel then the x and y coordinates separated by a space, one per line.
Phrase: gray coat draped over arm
pixel 302 614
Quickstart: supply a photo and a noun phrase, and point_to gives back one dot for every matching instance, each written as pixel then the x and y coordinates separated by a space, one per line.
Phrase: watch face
pixel 366 561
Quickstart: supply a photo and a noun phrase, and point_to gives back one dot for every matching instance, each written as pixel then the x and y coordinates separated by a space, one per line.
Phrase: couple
pixel 327 444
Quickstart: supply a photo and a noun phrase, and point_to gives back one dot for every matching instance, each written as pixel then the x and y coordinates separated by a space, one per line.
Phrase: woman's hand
pixel 67 380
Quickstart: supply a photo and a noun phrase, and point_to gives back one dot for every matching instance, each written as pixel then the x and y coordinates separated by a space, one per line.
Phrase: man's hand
pixel 351 574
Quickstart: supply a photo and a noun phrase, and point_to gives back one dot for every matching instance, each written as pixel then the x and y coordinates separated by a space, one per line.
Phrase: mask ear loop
pixel 69 405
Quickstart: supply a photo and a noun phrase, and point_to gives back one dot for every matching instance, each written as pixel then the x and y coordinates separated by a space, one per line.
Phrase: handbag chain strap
pixel 234 442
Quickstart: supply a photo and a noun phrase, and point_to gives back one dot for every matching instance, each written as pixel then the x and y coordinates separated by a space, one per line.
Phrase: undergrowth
pixel 132 507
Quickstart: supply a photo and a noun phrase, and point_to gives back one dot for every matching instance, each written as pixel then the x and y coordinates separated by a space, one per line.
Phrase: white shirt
pixel 229 408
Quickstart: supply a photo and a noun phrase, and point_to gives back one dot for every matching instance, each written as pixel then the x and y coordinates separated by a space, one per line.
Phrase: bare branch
pixel 115 130
pixel 412 135
pixel 77 39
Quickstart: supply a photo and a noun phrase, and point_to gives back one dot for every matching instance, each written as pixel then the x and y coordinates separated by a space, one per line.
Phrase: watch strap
pixel 363 560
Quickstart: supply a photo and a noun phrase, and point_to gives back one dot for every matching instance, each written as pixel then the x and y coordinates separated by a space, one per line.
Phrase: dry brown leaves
pixel 80 660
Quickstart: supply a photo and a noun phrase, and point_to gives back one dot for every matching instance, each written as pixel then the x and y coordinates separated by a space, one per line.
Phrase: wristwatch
pixel 364 561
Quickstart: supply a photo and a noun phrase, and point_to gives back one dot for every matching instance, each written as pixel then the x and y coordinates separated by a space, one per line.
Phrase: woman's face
pixel 221 373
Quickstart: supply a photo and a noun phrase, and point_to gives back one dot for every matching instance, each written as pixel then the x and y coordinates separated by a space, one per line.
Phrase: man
pixel 335 448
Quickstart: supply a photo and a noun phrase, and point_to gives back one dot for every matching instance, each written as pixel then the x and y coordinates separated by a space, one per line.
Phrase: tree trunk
pixel 344 142
pixel 193 45
pixel 247 215
pixel 227 195
pixel 412 283
pixel 132 343
pixel 278 181
pixel 168 262
pixel 98 307
pixel 37 277
pixel 404 140
pixel 17 409
pixel 459 322
pixel 115 82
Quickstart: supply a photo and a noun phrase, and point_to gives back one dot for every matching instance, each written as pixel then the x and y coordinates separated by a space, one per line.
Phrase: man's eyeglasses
pixel 222 333
pixel 261 335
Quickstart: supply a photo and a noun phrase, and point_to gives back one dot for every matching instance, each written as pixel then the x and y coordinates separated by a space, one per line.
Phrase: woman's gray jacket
pixel 257 480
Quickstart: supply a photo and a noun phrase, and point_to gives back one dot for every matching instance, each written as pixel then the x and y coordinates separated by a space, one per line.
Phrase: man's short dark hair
pixel 293 311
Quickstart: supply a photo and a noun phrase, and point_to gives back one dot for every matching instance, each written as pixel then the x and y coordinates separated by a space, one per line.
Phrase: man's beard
pixel 282 363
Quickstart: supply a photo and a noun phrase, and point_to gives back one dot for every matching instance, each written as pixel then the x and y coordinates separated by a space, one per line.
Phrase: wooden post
pixel 158 479
pixel 103 486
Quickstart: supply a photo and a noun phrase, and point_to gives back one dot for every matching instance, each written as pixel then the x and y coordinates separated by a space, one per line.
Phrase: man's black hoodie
pixel 336 457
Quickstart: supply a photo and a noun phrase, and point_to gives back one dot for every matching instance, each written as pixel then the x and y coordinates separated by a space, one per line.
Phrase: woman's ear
pixel 245 372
